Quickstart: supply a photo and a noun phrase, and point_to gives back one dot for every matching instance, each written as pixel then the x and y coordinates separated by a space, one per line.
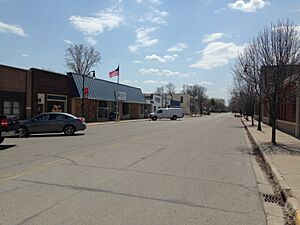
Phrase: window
pixel 159 111
pixel 52 117
pixel 42 117
pixel 181 99
pixel 11 108
pixel 125 109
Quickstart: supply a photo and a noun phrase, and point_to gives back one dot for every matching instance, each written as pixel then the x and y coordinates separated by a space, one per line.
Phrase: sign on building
pixel 121 96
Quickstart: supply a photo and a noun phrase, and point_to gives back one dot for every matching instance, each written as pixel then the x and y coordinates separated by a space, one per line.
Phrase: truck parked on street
pixel 171 113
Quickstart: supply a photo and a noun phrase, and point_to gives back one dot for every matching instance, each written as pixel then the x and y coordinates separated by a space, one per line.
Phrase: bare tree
pixel 247 69
pixel 170 88
pixel 279 51
pixel 197 91
pixel 80 59
pixel 244 95
pixel 160 90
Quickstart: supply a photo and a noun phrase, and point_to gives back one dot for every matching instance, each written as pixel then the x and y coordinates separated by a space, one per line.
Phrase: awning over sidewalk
pixel 105 90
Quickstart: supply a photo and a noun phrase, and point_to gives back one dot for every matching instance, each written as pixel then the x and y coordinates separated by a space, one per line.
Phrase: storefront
pixel 13 91
pixel 51 92
pixel 101 104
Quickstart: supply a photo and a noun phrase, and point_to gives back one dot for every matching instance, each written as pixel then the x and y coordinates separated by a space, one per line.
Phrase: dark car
pixel 9 126
pixel 52 123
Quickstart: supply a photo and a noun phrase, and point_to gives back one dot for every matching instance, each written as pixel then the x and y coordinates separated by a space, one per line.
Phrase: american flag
pixel 114 73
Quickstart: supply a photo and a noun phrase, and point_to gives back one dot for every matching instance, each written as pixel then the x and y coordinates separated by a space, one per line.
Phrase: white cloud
pixel 251 6
pixel 68 42
pixel 164 82
pixel 179 47
pixel 157 2
pixel 137 61
pixel 164 72
pixel 212 37
pixel 150 82
pixel 143 39
pixel 25 55
pixel 162 59
pixel 206 83
pixel 155 16
pixel 217 54
pixel 10 28
pixel 107 19
pixel 92 40
pixel 127 81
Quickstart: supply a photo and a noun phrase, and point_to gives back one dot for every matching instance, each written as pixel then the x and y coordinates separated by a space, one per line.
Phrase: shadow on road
pixel 47 135
pixel 5 147
pixel 53 135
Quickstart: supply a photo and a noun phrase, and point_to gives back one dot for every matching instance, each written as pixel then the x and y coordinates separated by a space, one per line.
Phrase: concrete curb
pixel 291 202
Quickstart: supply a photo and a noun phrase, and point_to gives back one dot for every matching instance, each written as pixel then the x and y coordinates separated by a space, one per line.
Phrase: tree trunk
pixel 252 119
pixel 274 132
pixel 273 116
pixel 259 115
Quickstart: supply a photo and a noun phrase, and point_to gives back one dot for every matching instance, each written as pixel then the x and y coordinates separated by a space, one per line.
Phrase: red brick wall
pixel 47 82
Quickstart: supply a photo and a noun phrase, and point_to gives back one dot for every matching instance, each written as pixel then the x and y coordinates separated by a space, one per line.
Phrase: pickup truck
pixel 9 126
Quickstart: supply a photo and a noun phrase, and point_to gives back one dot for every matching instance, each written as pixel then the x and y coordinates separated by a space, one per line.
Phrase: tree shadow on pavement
pixel 284 149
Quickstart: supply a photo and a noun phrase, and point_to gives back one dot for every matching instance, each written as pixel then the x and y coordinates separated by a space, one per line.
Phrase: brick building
pixel 100 102
pixel 288 119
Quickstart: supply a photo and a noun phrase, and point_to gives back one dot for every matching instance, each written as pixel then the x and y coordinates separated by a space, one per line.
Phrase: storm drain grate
pixel 273 199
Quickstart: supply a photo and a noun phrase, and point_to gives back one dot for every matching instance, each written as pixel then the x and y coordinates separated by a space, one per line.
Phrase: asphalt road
pixel 189 171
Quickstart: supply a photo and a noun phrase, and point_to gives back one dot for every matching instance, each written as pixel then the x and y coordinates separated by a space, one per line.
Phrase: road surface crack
pixel 170 201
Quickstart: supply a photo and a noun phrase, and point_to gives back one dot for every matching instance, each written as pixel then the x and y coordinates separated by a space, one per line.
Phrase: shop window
pixel 56 103
pixel 11 108
pixel 181 99
pixel 125 109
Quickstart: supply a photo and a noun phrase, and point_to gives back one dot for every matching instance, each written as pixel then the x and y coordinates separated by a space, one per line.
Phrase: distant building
pixel 187 102
pixel 155 100
pixel 160 101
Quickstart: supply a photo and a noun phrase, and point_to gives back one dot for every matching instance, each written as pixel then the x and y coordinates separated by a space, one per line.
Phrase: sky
pixel 154 41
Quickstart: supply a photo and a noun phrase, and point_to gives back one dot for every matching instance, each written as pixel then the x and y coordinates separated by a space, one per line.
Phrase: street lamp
pixel 83 91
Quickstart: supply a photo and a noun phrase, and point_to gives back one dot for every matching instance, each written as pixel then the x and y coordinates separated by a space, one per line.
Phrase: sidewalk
pixel 284 161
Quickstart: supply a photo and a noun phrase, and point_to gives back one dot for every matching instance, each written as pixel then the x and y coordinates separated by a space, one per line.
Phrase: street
pixel 190 171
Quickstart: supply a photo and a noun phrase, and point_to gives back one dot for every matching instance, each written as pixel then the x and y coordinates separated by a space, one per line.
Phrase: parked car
pixel 9 126
pixel 52 123
pixel 171 113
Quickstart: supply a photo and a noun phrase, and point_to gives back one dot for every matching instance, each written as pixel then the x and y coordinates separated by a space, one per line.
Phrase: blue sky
pixel 155 41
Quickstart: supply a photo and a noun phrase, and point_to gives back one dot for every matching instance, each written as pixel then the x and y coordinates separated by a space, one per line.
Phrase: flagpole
pixel 117 99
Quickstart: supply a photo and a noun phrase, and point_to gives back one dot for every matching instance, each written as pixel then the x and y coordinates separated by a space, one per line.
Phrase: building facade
pixel 15 91
pixel 188 103
pixel 100 100
pixel 26 93
pixel 288 118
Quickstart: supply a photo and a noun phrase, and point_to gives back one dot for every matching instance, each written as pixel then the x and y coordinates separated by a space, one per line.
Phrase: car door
pixel 56 122
pixel 160 113
pixel 40 124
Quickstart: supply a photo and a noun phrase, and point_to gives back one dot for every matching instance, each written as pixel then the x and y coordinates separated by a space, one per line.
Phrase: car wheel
pixel 1 139
pixel 174 117
pixel 24 132
pixel 69 130
pixel 154 118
